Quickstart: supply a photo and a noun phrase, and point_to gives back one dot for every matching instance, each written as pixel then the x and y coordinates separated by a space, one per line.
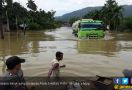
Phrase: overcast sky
pixel 64 6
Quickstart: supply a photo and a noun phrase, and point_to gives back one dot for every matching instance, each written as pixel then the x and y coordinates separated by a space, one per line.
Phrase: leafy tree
pixel 72 20
pixel 118 16
pixel 129 22
pixel 8 9
pixel 93 15
pixel 126 24
pixel 9 3
pixel 31 5
pixel 112 14
pixel 17 15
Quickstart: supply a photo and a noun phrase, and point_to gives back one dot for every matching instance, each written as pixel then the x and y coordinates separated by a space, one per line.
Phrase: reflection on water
pixel 97 47
pixel 13 44
pixel 39 47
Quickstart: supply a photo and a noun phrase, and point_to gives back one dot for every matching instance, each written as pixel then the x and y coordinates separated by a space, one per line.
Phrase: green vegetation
pixel 82 12
pixel 31 5
pixel 72 20
pixel 126 24
pixel 13 14
pixel 93 14
pixel 112 14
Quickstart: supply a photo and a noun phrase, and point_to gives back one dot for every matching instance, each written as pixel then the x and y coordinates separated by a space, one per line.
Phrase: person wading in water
pixel 54 72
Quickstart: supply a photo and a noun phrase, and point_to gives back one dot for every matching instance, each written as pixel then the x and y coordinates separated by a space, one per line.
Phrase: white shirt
pixel 56 72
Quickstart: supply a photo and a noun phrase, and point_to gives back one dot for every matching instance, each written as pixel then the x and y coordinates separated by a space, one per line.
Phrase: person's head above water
pixel 14 62
pixel 59 55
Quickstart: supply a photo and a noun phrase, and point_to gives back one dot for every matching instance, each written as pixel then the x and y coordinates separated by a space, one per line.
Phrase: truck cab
pixel 89 28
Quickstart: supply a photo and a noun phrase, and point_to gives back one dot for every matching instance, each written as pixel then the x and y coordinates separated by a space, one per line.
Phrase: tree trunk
pixel 109 26
pixel 1 28
pixel 17 25
pixel 8 26
pixel 115 26
pixel 24 28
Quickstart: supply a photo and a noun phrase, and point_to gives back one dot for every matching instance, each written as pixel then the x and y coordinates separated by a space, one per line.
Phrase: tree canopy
pixel 35 19
pixel 31 5
pixel 111 14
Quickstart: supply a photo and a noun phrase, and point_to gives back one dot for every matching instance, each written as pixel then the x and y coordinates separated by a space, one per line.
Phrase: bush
pixel 34 26
pixel 126 24
pixel 129 22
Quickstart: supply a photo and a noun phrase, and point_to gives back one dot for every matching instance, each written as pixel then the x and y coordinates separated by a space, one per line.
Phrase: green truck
pixel 88 28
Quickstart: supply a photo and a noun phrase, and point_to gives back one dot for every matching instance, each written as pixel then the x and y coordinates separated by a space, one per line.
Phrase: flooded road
pixel 82 57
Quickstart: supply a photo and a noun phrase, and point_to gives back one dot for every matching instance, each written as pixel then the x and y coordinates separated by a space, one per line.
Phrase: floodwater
pixel 81 57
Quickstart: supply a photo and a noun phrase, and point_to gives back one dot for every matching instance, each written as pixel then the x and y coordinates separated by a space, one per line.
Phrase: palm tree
pixel 16 11
pixel 117 16
pixel 112 13
pixel 93 14
pixel 31 5
pixel 108 10
pixel 20 13
pixel 9 2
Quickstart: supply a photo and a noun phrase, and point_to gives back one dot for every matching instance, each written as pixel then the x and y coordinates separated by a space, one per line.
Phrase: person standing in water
pixel 107 33
pixel 54 72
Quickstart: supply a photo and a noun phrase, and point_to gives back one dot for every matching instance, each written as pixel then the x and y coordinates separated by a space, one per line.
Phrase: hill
pixel 79 13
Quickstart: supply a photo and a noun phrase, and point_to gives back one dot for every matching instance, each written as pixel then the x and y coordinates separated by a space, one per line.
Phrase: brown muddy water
pixel 82 57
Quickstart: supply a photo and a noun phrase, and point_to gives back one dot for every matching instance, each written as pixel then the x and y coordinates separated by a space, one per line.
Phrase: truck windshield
pixel 96 26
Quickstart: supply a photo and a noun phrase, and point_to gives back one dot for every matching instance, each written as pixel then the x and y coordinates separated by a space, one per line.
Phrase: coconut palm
pixel 96 14
pixel 31 5
pixel 9 2
pixel 117 16
pixel 112 14
pixel 20 14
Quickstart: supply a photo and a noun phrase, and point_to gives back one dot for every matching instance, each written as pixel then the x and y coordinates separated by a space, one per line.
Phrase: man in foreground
pixel 14 75
pixel 54 72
